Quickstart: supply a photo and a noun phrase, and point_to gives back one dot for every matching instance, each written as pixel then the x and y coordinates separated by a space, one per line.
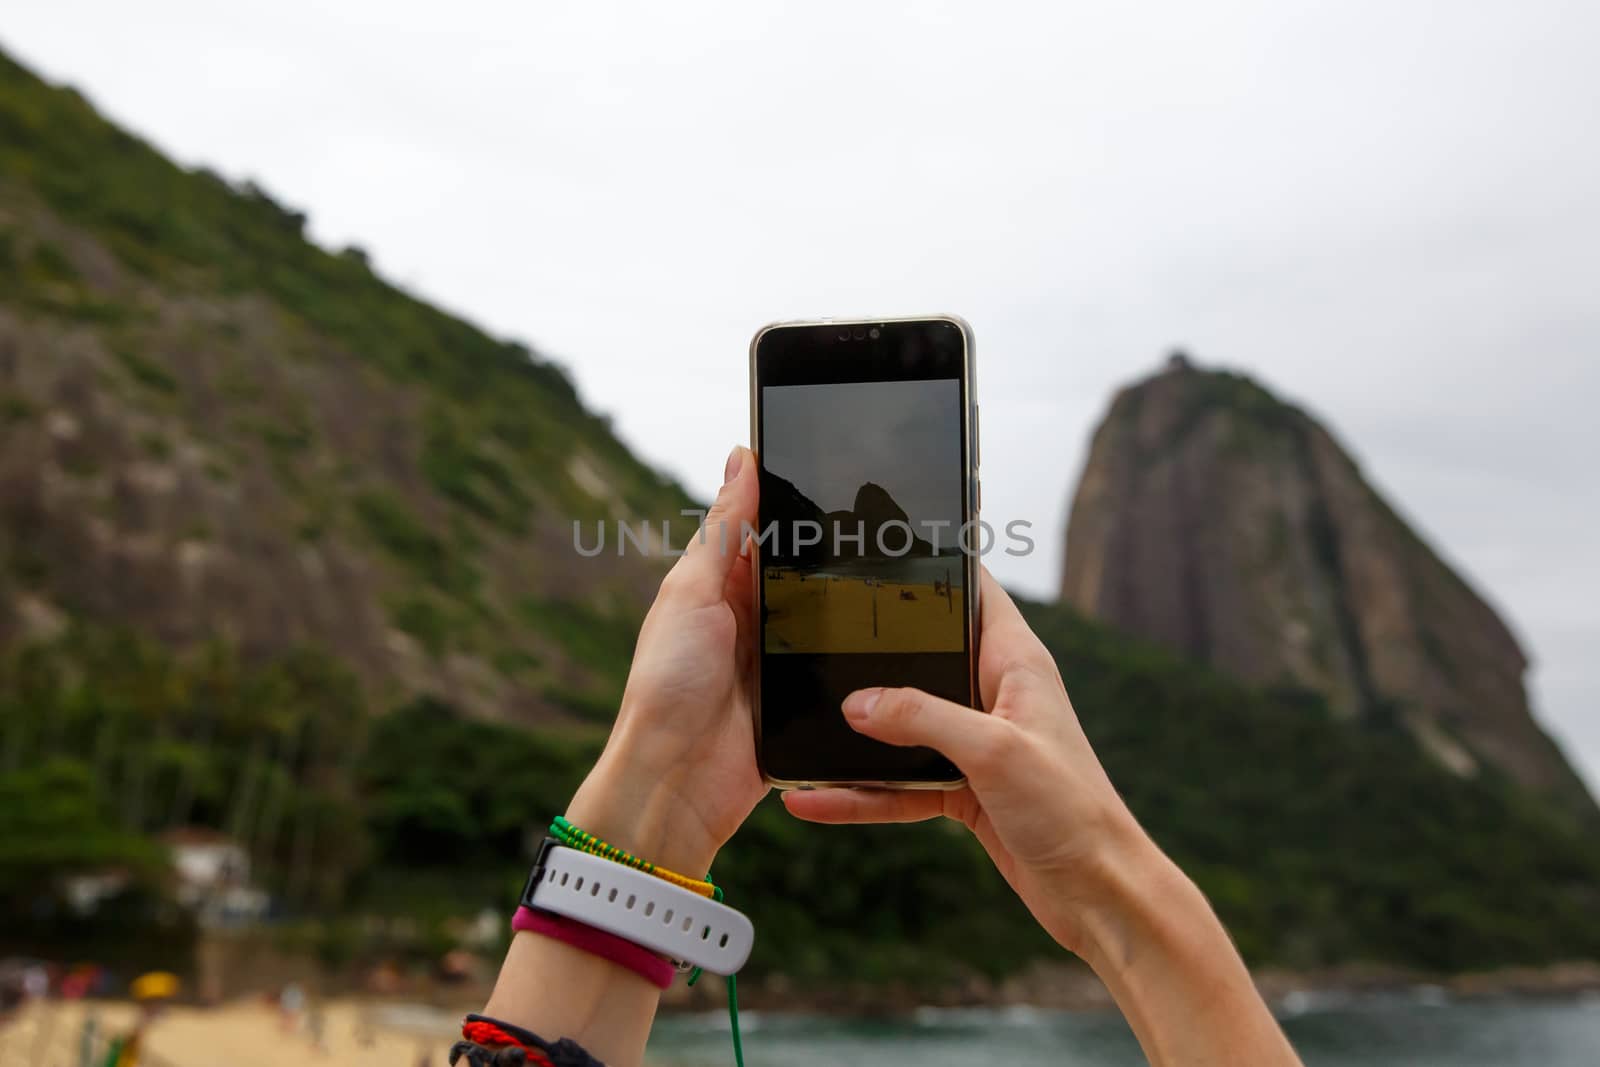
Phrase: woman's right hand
pixel 1044 809
pixel 1036 795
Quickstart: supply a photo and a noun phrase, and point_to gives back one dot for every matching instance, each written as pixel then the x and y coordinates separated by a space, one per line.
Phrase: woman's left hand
pixel 678 775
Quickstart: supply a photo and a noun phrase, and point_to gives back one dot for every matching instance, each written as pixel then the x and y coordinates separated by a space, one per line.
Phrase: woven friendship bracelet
pixel 576 837
pixel 496 1043
pixel 493 1039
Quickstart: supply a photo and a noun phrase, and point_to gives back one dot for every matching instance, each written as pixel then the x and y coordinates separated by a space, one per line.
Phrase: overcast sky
pixel 830 440
pixel 1388 211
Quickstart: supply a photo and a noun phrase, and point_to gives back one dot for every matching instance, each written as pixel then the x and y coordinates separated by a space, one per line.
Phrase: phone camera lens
pixel 873 333
pixel 844 335
pixel 860 333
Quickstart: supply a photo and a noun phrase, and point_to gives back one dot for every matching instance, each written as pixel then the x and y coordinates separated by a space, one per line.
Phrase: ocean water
pixel 911 570
pixel 1422 1029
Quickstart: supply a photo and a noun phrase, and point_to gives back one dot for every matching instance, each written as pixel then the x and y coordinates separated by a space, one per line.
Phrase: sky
pixel 1387 211
pixel 829 440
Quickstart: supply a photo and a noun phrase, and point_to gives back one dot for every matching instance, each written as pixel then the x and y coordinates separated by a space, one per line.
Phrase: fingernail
pixel 858 705
pixel 730 470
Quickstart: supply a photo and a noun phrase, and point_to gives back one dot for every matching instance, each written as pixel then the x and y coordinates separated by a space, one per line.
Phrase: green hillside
pixel 214 427
pixel 1317 842
pixel 285 552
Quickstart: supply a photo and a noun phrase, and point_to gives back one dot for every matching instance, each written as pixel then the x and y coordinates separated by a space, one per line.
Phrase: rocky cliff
pixel 1221 521
pixel 874 509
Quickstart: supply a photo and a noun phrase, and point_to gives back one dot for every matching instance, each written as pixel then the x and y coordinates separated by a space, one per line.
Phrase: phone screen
pixel 867 496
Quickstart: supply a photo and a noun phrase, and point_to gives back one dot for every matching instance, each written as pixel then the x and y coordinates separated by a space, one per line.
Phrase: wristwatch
pixel 639 907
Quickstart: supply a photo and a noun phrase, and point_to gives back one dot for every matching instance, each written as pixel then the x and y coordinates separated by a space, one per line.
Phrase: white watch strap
pixel 642 908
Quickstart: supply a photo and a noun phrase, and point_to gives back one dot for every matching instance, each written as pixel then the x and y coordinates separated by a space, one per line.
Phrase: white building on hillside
pixel 213 875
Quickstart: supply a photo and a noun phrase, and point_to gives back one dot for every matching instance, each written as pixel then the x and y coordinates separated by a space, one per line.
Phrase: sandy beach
pixel 245 1033
pixel 831 613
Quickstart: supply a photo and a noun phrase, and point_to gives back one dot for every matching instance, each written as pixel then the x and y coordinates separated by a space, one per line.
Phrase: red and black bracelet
pixel 487 1042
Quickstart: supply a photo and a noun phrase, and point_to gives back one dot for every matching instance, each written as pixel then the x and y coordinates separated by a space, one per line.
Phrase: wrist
pixel 1169 964
pixel 1135 897
pixel 644 814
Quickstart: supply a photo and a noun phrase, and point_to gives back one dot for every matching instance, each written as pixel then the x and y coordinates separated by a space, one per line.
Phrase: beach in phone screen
pixel 861 511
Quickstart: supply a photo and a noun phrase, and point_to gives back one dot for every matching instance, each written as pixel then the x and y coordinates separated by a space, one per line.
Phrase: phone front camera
pixel 844 335
pixel 873 333
pixel 860 333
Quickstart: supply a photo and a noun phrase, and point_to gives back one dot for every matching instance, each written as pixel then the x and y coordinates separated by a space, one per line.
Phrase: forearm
pixel 1175 973
pixel 559 991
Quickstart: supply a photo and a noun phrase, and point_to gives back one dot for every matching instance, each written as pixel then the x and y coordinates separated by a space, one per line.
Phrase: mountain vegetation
pixel 213 427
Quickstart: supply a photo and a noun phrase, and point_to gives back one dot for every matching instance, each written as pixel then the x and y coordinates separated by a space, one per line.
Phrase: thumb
pixel 975 741
pixel 715 547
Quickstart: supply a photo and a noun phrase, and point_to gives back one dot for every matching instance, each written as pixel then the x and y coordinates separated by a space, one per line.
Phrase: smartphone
pixel 866 546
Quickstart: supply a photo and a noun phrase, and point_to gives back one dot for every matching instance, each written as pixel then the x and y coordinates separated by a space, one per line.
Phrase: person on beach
pixel 151 992
pixel 291 1002
pixel 678 776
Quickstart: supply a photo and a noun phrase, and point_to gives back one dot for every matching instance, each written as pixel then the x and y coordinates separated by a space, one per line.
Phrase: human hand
pixel 678 775
pixel 1036 795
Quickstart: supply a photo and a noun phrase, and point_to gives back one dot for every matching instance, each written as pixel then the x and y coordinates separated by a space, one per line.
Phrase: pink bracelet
pixel 607 946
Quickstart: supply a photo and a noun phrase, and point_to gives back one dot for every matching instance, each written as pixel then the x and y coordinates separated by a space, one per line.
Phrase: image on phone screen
pixel 872 471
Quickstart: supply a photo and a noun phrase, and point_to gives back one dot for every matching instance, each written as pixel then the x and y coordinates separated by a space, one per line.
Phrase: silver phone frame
pixel 972 499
